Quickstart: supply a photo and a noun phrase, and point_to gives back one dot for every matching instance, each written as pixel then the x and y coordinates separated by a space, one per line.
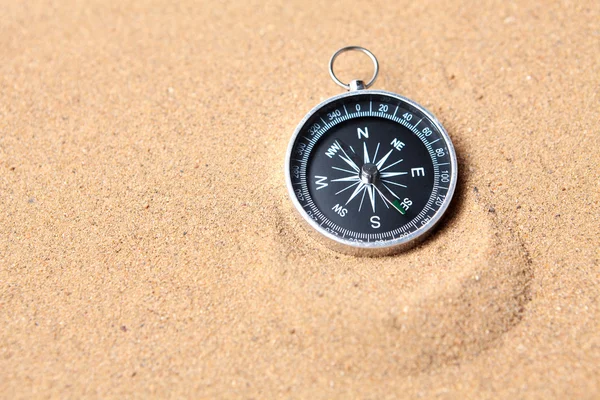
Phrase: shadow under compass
pixel 456 207
pixel 447 299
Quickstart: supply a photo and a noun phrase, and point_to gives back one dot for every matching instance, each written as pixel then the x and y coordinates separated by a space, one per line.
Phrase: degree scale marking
pixel 397 120
pixel 433 157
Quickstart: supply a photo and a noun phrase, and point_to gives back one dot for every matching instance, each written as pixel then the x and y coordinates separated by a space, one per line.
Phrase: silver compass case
pixel 391 196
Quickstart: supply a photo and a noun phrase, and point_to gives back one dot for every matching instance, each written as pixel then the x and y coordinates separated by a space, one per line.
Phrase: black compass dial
pixel 373 168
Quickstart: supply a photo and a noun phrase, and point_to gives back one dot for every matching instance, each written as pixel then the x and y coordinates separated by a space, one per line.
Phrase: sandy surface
pixel 148 247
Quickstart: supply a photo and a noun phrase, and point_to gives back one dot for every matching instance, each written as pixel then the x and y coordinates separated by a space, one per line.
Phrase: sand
pixel 148 247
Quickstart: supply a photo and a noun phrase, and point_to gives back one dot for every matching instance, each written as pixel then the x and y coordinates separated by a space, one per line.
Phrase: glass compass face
pixel 371 171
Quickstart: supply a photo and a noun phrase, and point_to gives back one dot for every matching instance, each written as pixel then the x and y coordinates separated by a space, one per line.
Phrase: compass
pixel 370 171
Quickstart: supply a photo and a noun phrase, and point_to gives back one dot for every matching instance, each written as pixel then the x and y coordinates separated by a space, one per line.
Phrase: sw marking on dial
pixel 371 167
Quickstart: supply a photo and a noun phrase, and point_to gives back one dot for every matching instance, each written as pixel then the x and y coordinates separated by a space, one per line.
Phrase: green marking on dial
pixel 398 206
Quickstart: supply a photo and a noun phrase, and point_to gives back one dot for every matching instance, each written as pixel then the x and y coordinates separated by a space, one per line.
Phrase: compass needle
pixel 350 163
pixel 351 159
pixel 364 192
pixel 390 190
pixel 346 179
pixel 393 183
pixel 391 165
pixel 390 174
pixel 381 189
pixel 383 199
pixel 366 157
pixel 344 170
pixel 376 151
pixel 383 159
pixel 372 196
pixel 410 167
pixel 360 187
pixel 346 188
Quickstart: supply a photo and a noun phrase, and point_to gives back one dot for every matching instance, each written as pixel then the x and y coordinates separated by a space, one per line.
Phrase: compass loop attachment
pixel 355 84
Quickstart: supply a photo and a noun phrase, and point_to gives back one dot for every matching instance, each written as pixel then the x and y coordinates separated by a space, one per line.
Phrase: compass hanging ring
pixel 355 84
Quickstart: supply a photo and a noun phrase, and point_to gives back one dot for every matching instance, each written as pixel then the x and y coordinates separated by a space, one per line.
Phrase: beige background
pixel 148 247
